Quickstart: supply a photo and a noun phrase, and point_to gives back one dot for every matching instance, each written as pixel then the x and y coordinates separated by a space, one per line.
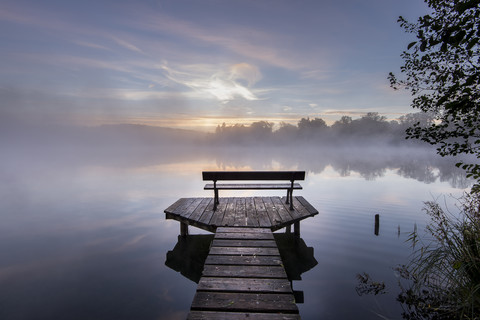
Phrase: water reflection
pixel 83 234
pixel 189 255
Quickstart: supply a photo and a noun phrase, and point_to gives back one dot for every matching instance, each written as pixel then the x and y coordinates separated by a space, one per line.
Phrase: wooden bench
pixel 290 176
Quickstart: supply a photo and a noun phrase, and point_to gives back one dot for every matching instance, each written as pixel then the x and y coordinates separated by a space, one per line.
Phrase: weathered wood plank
pixel 300 208
pixel 215 315
pixel 293 213
pixel 242 230
pixel 197 213
pixel 244 285
pixel 240 213
pixel 208 213
pixel 244 251
pixel 282 211
pixel 189 210
pixel 263 219
pixel 271 211
pixel 229 217
pixel 252 216
pixel 244 243
pixel 244 260
pixel 220 301
pixel 307 205
pixel 173 206
pixel 181 205
pixel 245 236
pixel 233 271
pixel 217 217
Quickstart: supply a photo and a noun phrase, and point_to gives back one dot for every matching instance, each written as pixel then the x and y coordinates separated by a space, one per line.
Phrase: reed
pixel 444 271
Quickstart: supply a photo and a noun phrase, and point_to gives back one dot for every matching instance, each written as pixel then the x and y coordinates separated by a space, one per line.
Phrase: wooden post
pixel 377 224
pixel 183 229
pixel 296 228
pixel 288 229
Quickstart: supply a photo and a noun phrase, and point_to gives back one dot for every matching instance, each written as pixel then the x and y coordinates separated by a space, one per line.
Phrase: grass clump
pixel 444 272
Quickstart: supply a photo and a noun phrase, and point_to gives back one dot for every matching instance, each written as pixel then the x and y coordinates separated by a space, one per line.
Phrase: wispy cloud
pixel 223 85
pixel 126 44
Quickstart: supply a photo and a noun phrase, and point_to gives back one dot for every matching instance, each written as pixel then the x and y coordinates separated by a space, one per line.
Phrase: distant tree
pixel 442 71
pixel 309 128
pixel 286 132
pixel 343 126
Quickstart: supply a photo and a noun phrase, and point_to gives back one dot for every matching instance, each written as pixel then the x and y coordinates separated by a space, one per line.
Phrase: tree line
pixel 372 127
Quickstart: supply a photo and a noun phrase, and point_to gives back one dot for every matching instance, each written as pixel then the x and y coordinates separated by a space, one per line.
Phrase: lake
pixel 83 234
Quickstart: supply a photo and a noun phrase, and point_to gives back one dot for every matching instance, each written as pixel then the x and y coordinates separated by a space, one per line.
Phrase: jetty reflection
pixel 190 252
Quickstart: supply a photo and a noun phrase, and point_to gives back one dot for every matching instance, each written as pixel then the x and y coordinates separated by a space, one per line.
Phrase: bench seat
pixel 253 186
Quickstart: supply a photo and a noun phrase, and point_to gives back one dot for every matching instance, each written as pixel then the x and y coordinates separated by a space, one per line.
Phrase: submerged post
pixel 377 224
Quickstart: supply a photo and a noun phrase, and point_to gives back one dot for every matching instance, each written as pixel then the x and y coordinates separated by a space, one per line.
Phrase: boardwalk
pixel 244 278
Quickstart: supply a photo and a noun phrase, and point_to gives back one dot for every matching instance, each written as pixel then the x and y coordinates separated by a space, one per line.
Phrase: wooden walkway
pixel 257 212
pixel 244 278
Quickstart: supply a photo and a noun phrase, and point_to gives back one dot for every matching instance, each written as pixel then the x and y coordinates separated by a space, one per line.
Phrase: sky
pixel 196 64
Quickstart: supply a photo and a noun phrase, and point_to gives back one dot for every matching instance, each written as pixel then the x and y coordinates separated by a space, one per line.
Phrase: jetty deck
pixel 255 212
pixel 244 278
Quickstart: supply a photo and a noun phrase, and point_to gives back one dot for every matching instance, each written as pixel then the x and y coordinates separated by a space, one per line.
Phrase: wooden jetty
pixel 243 276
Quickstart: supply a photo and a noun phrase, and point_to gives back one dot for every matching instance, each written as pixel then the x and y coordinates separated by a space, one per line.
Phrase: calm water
pixel 83 233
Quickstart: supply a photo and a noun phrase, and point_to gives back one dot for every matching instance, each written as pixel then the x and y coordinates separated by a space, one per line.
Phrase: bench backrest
pixel 253 175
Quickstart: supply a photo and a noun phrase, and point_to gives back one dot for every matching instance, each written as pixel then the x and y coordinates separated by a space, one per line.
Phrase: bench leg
pixel 216 201
pixel 288 229
pixel 290 198
pixel 183 229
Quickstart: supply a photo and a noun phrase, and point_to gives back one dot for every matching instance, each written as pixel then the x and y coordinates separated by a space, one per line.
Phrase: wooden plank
pixel 245 236
pixel 189 210
pixel 282 211
pixel 242 230
pixel 217 217
pixel 244 285
pixel 197 213
pixel 229 217
pixel 222 301
pixel 271 211
pixel 263 219
pixel 211 270
pixel 300 208
pixel 184 203
pixel 244 260
pixel 253 186
pixel 215 315
pixel 252 216
pixel 244 243
pixel 244 251
pixel 307 205
pixel 295 214
pixel 208 213
pixel 172 207
pixel 240 213
pixel 253 175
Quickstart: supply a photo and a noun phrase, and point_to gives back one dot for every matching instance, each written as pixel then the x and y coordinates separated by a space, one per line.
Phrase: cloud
pixel 245 71
pixel 223 85
pixel 126 44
